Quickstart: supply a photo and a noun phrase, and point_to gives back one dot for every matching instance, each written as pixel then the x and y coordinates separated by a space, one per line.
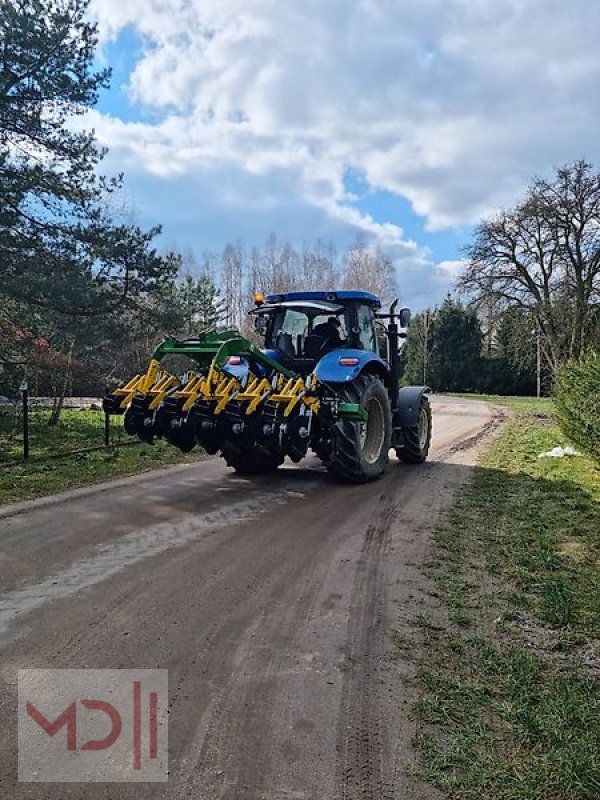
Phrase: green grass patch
pixel 76 429
pixel 544 405
pixel 510 672
pixel 54 466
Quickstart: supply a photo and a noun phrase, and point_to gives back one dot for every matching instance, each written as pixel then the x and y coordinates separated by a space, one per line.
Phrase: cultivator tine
pixel 220 387
pixel 151 376
pixel 140 385
pixel 191 391
pixel 280 390
pixel 309 398
pixel 257 391
pixel 293 392
pixel 225 393
pixel 128 392
pixel 290 395
pixel 312 403
pixel 161 388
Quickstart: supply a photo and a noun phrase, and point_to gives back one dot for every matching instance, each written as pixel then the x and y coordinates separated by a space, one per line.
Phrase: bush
pixel 577 396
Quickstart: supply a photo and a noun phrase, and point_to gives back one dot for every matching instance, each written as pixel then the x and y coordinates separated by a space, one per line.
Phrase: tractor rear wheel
pixel 417 438
pixel 251 462
pixel 360 451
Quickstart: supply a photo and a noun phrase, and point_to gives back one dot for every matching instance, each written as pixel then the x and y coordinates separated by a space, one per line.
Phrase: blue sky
pixel 387 207
pixel 405 122
pixel 122 54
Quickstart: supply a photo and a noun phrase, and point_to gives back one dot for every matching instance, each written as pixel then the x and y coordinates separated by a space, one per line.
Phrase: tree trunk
pixel 59 400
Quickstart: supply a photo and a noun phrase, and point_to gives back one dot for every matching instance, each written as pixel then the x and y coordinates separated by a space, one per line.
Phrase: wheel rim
pixel 372 432
pixel 423 428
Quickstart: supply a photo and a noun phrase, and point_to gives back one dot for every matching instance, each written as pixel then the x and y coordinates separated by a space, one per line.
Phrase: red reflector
pixel 348 362
pixel 235 361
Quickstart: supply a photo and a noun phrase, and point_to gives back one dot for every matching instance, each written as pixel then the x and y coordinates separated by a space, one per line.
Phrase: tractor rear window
pixel 292 327
pixel 294 322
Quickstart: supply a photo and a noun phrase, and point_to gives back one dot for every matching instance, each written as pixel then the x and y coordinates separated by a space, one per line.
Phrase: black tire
pixel 360 451
pixel 251 462
pixel 417 438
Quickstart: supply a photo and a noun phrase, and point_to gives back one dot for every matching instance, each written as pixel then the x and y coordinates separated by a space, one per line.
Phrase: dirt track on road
pixel 270 602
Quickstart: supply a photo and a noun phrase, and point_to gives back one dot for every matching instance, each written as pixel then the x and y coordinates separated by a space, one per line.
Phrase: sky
pixel 404 120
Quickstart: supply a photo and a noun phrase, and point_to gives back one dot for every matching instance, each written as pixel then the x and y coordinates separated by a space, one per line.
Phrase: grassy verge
pixel 509 668
pixel 53 467
pixel 77 429
pixel 542 406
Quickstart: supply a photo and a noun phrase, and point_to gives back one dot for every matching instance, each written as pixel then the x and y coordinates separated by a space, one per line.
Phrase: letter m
pixel 68 718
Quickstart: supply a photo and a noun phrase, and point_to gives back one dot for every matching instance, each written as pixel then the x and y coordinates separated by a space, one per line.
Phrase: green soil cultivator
pixel 327 380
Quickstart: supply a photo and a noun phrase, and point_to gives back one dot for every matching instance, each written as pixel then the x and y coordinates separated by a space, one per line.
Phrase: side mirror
pixel 404 316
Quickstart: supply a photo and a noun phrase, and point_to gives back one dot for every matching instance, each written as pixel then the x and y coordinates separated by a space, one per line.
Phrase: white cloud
pixel 451 268
pixel 453 104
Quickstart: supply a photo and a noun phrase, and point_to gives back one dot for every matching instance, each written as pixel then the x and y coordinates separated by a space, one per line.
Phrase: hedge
pixel 577 396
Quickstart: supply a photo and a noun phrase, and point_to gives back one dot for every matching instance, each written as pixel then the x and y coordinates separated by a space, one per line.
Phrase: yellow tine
pixel 129 386
pixel 151 375
pixel 226 395
pixel 166 384
pixel 191 399
pixel 259 397
pixel 312 402
pixel 294 397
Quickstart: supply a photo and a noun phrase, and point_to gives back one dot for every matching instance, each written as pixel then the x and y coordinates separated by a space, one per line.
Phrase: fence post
pixel 106 424
pixel 25 397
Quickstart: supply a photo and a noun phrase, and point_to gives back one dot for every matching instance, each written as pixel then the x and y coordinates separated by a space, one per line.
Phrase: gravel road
pixel 269 601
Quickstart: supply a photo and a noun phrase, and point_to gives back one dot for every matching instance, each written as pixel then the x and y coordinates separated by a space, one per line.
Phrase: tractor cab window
pixel 293 323
pixel 382 340
pixel 366 328
pixel 293 327
pixel 330 325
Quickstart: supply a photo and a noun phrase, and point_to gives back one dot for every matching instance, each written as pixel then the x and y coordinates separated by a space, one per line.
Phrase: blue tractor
pixel 326 379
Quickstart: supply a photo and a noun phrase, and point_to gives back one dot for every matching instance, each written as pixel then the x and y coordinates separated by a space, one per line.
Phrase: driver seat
pixel 284 344
pixel 314 346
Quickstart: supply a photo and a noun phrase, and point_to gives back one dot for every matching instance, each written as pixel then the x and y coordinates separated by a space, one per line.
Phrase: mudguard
pixel 409 402
pixel 330 370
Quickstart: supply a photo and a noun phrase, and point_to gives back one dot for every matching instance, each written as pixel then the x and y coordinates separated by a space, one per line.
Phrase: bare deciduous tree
pixel 319 267
pixel 233 283
pixel 372 271
pixel 544 256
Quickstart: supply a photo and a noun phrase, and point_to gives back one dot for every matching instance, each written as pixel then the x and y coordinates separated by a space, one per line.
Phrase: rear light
pixel 348 362
pixel 234 361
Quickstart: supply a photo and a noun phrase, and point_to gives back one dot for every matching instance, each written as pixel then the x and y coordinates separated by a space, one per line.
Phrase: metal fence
pixel 25 432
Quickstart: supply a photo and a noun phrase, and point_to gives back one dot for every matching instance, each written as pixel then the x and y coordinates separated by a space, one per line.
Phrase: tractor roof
pixel 329 297
pixel 310 307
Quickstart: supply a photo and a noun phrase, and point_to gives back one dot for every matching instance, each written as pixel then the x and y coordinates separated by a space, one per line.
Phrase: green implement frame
pixel 214 348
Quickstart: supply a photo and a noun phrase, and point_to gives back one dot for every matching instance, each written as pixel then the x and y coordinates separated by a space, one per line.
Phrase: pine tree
pixel 60 248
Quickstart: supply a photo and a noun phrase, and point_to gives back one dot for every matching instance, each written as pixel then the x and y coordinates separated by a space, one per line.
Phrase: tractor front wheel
pixel 360 450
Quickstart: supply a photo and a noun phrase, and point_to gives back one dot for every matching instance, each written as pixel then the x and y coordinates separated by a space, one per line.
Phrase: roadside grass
pixel 518 403
pixel 509 666
pixel 77 429
pixel 54 466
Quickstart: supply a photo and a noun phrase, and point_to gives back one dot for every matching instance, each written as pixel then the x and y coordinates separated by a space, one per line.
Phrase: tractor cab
pixel 299 328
